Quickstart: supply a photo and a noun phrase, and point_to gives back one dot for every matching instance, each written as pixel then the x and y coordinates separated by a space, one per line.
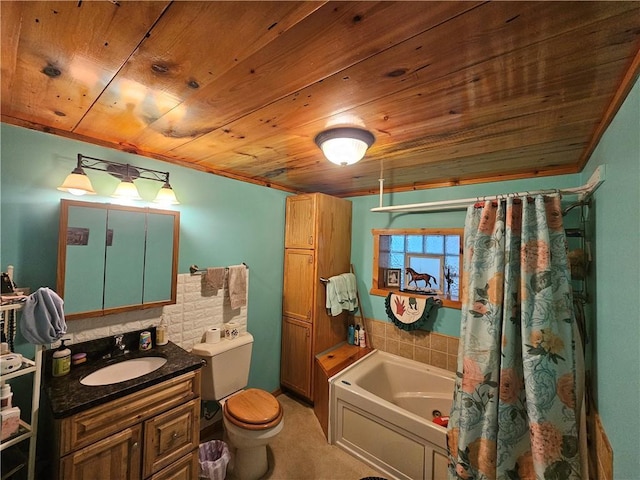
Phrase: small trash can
pixel 213 457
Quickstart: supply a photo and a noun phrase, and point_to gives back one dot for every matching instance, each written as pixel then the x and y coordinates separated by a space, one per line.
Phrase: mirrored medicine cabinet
pixel 115 258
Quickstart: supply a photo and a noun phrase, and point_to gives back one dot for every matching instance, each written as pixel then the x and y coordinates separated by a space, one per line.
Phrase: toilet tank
pixel 227 366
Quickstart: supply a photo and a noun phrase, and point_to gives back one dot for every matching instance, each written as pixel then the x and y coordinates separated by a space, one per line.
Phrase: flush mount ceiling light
pixel 78 183
pixel 344 145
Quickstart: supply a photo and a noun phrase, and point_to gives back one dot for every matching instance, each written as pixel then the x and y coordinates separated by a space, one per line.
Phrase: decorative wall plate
pixel 409 312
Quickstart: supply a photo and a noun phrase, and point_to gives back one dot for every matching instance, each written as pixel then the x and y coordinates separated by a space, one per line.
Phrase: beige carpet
pixel 301 451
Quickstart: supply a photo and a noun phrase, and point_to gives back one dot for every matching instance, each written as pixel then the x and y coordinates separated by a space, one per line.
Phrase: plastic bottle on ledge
pixel 350 334
pixel 362 341
pixel 161 333
pixel 356 336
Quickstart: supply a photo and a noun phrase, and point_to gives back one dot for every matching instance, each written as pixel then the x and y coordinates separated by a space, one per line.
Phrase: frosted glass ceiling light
pixel 78 182
pixel 344 145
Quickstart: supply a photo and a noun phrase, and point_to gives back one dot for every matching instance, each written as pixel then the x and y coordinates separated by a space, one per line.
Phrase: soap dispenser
pixel 61 361
pixel 161 333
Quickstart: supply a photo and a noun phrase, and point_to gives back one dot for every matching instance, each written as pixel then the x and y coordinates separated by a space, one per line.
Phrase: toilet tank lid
pixel 213 349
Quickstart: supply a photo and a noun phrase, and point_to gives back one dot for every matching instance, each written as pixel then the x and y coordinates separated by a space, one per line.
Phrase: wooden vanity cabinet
pixel 150 434
pixel 317 244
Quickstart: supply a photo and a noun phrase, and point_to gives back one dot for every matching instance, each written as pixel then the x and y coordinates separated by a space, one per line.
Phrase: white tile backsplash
pixel 186 321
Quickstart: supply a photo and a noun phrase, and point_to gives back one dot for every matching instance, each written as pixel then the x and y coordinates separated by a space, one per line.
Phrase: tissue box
pixel 10 422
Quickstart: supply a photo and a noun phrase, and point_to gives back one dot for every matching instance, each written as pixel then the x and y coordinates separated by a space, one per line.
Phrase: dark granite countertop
pixel 67 396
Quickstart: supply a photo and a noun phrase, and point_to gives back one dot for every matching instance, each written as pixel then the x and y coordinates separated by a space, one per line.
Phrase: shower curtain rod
pixel 583 191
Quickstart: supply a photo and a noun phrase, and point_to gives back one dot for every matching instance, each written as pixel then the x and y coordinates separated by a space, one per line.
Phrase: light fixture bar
pixel 78 182
pixel 116 169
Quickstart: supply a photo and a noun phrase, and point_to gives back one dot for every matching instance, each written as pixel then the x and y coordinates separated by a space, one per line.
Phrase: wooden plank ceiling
pixel 454 92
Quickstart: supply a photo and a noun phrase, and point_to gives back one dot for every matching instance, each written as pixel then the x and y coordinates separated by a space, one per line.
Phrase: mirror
pixel 114 258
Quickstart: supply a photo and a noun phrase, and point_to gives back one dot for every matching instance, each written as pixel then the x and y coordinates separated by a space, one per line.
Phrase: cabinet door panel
pixel 124 262
pixel 298 284
pixel 299 230
pixel 84 261
pixel 158 265
pixel 117 456
pixel 295 370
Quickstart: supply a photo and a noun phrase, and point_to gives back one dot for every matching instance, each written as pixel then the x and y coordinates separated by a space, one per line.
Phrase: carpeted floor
pixel 301 451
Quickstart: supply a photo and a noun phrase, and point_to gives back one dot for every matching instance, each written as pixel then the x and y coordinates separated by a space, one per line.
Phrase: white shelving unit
pixel 26 431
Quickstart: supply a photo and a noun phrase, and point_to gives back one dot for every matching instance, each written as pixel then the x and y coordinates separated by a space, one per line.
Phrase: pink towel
pixel 238 286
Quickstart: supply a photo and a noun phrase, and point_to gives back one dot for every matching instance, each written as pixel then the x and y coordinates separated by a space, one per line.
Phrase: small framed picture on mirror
pixel 393 277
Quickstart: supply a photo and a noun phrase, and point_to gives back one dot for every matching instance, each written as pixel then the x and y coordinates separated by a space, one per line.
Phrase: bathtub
pixel 381 410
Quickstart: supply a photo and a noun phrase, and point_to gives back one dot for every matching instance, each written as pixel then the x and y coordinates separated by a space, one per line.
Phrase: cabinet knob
pixel 135 445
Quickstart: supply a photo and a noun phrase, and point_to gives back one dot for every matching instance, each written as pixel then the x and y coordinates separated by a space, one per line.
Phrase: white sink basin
pixel 123 371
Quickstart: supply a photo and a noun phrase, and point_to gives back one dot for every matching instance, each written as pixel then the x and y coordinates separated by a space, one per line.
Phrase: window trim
pixel 376 281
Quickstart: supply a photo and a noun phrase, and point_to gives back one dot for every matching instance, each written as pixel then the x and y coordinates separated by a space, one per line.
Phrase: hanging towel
pixel 351 298
pixel 238 286
pixel 214 278
pixel 341 294
pixel 43 317
pixel 333 302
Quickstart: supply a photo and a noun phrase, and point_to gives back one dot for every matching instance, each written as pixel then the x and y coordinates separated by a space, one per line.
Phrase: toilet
pixel 251 417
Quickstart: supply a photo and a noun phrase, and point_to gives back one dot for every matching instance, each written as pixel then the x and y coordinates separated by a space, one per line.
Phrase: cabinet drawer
pixel 187 468
pixel 170 436
pixel 117 456
pixel 98 422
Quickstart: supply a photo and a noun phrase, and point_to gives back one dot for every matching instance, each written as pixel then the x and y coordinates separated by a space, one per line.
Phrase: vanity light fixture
pixel 344 145
pixel 78 183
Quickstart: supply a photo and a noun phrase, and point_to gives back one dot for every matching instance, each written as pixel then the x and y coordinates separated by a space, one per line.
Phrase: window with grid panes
pixel 434 252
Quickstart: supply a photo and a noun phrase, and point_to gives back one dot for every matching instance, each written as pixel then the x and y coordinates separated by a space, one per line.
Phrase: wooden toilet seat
pixel 253 409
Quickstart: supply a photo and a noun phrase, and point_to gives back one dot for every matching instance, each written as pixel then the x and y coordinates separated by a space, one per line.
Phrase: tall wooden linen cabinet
pixel 317 245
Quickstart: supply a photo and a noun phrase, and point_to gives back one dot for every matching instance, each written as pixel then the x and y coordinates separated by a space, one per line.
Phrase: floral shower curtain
pixel 514 406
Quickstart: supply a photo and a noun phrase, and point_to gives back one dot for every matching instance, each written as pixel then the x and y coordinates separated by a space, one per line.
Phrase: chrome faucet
pixel 119 348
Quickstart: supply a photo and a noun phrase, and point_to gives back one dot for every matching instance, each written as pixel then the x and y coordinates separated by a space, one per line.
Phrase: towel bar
pixel 194 270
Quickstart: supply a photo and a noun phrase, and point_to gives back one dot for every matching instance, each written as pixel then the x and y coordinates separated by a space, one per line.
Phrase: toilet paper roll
pixel 212 335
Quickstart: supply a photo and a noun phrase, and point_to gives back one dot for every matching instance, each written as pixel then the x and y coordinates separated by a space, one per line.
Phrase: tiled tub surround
pixel 427 347
pixel 196 310
pixel 67 396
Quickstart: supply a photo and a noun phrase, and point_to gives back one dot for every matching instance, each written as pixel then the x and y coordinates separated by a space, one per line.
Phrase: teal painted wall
pixel 448 320
pixel 222 222
pixel 616 274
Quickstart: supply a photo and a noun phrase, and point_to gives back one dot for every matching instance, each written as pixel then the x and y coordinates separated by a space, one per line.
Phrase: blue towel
pixel 43 317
